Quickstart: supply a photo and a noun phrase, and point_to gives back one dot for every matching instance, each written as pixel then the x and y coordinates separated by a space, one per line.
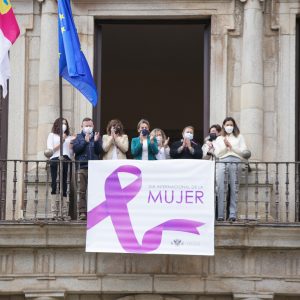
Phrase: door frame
pixel 206 67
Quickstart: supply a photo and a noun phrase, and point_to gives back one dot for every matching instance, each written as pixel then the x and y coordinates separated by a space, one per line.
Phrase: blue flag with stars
pixel 73 65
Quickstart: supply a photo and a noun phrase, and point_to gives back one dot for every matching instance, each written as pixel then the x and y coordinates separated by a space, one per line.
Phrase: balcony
pixel 267 192
pixel 42 244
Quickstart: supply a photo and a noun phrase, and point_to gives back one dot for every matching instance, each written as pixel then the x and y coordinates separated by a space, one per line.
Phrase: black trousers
pixel 54 168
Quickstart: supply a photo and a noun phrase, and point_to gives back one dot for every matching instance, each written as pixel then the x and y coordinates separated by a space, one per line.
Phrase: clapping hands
pixel 166 142
pixel 97 136
pixel 228 145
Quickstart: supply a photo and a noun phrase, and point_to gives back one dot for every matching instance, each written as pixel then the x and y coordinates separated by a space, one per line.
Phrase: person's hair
pixel 57 126
pixel 87 119
pixel 115 123
pixel 164 137
pixel 141 122
pixel 191 127
pixel 236 130
pixel 216 126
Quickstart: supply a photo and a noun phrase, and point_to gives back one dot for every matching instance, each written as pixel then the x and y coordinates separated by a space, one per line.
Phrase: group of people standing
pixel 224 143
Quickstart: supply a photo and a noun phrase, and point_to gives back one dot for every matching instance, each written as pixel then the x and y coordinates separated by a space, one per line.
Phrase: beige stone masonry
pixel 249 260
pixel 261 99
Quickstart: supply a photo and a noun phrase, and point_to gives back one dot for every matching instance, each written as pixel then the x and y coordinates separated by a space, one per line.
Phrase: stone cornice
pixel 262 296
pixel 51 258
pixel 249 0
pixel 145 1
pixel 272 236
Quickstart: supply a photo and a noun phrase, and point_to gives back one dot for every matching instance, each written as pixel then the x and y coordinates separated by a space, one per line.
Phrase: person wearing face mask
pixel 53 143
pixel 186 148
pixel 209 148
pixel 229 148
pixel 144 147
pixel 162 142
pixel 86 146
pixel 115 142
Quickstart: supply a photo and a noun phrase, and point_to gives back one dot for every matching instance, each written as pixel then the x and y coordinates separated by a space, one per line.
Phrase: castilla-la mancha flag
pixel 9 32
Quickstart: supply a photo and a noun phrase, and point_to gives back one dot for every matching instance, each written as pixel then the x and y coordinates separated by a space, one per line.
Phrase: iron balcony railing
pixel 266 192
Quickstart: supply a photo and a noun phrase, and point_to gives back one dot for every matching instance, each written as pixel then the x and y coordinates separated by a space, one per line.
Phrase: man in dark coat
pixel 186 148
pixel 86 146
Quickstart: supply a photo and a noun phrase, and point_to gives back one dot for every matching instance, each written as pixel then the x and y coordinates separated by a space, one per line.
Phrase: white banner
pixel 157 207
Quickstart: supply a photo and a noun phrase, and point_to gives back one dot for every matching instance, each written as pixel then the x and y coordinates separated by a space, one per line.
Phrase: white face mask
pixel 229 129
pixel 188 135
pixel 159 139
pixel 64 127
pixel 87 130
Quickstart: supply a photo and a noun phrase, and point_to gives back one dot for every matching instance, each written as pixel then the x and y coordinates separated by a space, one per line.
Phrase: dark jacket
pixel 85 151
pixel 186 154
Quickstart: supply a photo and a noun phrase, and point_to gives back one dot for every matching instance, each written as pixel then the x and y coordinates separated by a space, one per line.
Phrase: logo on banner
pixel 115 207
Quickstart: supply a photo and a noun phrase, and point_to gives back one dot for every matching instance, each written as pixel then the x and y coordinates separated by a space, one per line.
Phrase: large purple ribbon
pixel 115 206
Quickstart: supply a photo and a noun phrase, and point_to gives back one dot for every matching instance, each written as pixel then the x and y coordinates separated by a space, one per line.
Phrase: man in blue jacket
pixel 87 146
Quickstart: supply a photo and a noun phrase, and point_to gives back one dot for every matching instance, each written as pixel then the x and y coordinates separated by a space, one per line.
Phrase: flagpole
pixel 60 116
pixel 61 145
pixel 1 115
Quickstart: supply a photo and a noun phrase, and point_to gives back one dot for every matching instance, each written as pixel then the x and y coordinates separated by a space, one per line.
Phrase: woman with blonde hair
pixel 144 147
pixel 115 142
pixel 162 142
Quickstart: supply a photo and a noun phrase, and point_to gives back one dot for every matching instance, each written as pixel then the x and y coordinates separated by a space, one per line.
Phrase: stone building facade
pixel 252 67
pixel 252 78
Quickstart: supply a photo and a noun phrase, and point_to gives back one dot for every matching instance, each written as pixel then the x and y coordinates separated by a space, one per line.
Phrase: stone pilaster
pixel 252 77
pixel 18 91
pixel 48 74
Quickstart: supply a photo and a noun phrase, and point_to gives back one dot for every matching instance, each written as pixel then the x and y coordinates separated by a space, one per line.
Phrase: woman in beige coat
pixel 115 142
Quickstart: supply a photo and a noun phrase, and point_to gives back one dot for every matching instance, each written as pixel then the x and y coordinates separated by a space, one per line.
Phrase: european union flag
pixel 73 65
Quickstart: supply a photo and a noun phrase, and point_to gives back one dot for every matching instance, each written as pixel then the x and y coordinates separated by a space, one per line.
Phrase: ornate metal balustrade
pixel 266 192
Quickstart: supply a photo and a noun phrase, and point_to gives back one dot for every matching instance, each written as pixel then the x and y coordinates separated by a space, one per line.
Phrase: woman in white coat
pixel 53 143
pixel 229 147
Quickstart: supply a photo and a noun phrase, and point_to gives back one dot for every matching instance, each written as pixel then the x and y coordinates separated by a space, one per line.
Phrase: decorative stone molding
pixel 256 4
pixel 254 296
pixel 243 1
pixel 274 19
pixel 52 257
pixel 44 295
pixel 238 19
pixel 148 297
